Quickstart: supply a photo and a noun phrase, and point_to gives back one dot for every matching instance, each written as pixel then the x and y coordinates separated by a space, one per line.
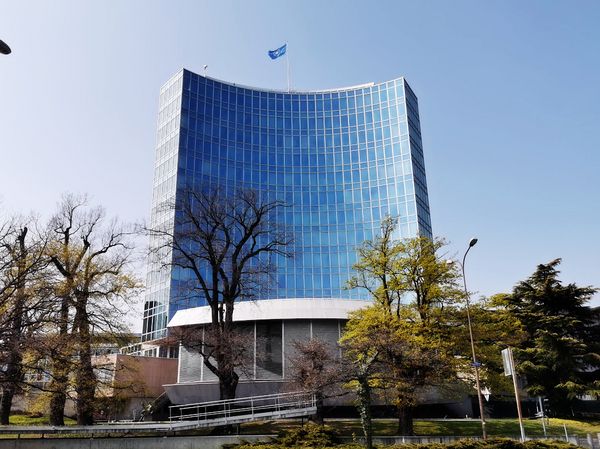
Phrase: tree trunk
pixel 228 385
pixel 60 368
pixel 14 368
pixel 363 394
pixel 85 379
pixel 57 401
pixel 318 416
pixel 14 376
pixel 405 421
pixel 6 404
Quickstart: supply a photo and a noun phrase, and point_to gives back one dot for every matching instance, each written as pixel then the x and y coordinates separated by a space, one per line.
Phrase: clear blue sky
pixel 509 98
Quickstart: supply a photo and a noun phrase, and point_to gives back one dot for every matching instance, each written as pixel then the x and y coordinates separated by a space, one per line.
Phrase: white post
pixel 517 398
pixel 283 350
pixel 541 402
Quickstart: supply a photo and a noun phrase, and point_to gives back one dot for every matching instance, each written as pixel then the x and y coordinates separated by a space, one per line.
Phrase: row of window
pixel 255 156
pixel 281 140
pixel 260 99
pixel 298 125
pixel 282 182
pixel 206 108
pixel 371 158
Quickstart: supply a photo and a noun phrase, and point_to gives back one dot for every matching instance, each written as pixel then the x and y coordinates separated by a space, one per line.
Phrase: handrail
pixel 265 396
pixel 272 404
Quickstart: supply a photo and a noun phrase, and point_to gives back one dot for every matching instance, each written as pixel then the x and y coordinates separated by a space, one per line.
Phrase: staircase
pixel 239 410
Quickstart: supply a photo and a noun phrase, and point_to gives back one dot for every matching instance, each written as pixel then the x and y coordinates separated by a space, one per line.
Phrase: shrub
pixel 323 437
pixel 308 436
pixel 495 443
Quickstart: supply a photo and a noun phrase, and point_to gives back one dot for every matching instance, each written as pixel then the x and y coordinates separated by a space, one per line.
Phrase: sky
pixel 509 99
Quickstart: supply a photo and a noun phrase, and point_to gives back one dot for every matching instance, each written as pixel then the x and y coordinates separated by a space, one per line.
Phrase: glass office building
pixel 342 158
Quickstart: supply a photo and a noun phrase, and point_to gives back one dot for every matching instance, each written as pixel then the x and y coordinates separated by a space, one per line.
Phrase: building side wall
pixel 164 188
pixel 129 376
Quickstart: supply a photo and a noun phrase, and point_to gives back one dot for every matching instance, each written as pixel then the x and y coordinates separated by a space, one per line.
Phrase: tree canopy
pixel 561 355
pixel 222 246
pixel 404 335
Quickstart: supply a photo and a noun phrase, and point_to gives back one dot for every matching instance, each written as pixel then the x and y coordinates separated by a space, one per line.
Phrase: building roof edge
pixel 292 91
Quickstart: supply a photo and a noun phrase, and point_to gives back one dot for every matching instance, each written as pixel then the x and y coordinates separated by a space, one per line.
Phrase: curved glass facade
pixel 343 159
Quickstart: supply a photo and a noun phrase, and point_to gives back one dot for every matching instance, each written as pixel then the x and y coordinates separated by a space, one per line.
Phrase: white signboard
pixel 506 362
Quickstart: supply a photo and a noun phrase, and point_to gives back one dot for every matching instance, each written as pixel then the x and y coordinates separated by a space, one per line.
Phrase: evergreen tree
pixel 561 356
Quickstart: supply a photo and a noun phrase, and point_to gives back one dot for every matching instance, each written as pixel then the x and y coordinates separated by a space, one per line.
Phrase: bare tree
pixel 236 346
pixel 21 262
pixel 91 259
pixel 315 368
pixel 223 247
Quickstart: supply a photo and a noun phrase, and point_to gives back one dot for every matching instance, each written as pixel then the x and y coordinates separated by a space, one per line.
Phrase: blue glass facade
pixel 343 159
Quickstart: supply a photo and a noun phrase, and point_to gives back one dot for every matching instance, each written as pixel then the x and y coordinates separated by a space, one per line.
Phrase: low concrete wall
pixel 193 442
pixel 216 442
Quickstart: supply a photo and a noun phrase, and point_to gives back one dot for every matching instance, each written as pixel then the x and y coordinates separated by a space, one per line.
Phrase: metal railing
pixel 253 407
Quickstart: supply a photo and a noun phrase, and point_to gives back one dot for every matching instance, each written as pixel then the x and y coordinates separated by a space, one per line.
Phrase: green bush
pixel 323 437
pixel 308 436
pixel 495 443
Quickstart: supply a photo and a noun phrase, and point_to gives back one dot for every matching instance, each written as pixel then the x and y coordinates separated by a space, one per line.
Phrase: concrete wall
pixel 204 442
pixel 190 392
pixel 136 376
pixel 216 442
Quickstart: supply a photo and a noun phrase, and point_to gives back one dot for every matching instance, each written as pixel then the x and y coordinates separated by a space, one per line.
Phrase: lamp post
pixel 4 49
pixel 476 364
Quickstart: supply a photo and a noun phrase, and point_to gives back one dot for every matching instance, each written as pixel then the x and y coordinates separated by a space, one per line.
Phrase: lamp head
pixel 4 49
pixel 472 242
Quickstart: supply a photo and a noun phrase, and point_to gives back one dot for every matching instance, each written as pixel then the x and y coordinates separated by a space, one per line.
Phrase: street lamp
pixel 476 364
pixel 4 49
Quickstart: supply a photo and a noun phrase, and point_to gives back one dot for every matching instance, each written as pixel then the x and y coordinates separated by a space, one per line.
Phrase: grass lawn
pixel 385 427
pixel 25 420
pixel 464 427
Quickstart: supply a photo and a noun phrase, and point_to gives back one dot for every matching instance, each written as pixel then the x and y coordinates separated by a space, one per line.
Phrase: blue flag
pixel 274 54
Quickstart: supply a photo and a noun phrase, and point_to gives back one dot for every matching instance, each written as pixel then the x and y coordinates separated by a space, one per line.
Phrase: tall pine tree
pixel 561 356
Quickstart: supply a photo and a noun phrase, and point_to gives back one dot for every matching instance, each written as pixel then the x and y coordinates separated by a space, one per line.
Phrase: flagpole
pixel 287 62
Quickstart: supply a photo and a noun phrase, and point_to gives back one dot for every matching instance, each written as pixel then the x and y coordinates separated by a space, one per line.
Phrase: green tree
pixel 361 360
pixel 494 328
pixel 92 281
pixel 413 286
pixel 412 271
pixel 22 306
pixel 561 355
pixel 396 356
